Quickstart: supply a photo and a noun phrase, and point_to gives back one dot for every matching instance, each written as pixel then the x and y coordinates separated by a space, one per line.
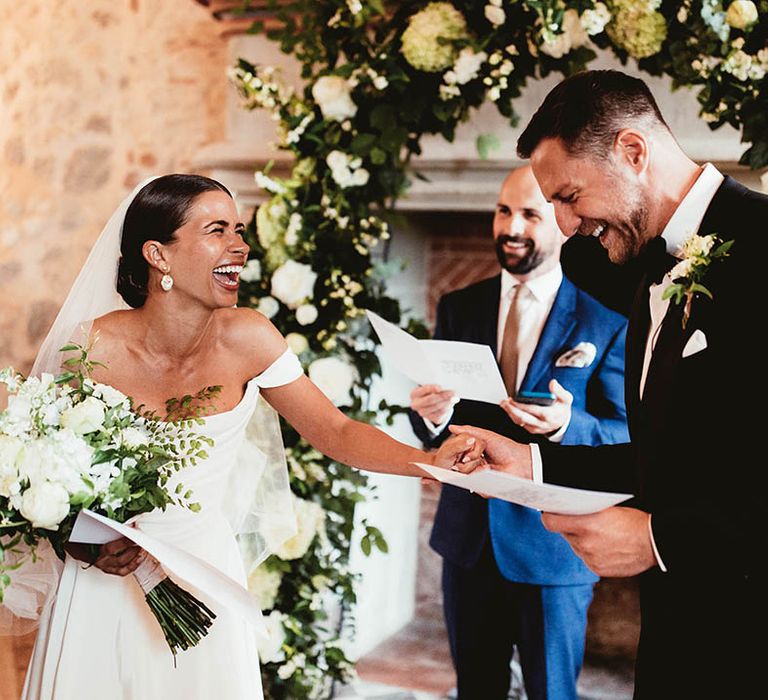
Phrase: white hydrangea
pixel 428 41
pixel 10 449
pixel 310 521
pixel 293 283
pixel 333 95
pixel 346 170
pixel 467 66
pixel 134 437
pixel 62 457
pixel 252 271
pixel 334 377
pixel 306 314
pixel 264 584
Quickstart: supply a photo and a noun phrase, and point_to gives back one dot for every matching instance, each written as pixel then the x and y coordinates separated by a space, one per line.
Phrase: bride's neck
pixel 175 334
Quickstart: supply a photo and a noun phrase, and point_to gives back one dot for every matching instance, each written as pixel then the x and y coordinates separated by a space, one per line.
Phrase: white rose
pixel 293 282
pixel 306 314
pixel 310 520
pixel 271 648
pixel 45 505
pixel 741 14
pixel 333 95
pixel 467 65
pixel 268 306
pixel 84 417
pixel 495 15
pixel 334 378
pixel 297 343
pixel 134 437
pixel 264 585
pixel 251 272
pixel 109 395
pixel 380 82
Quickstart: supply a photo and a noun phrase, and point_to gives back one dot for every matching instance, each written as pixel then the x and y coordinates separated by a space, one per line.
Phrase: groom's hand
pixel 461 453
pixel 502 453
pixel 614 542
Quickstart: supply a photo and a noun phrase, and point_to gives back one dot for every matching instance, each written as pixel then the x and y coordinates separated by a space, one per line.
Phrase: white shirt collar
pixel 689 213
pixel 543 287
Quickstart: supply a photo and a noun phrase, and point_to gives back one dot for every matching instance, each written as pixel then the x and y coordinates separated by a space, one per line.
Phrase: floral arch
pixel 379 75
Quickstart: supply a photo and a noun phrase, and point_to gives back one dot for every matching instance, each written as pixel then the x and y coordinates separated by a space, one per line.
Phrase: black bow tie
pixel 656 261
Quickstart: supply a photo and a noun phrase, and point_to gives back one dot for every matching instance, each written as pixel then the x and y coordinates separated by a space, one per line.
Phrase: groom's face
pixel 594 197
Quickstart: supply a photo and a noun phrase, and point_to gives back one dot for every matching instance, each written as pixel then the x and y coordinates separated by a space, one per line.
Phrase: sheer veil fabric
pixel 259 504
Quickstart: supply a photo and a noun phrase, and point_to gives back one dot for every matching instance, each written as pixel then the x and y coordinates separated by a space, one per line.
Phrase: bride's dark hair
pixel 155 213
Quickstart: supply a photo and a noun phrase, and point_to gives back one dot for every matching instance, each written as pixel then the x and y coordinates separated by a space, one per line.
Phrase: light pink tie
pixel 510 341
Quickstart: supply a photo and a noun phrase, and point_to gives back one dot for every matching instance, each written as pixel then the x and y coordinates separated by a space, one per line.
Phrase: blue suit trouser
pixel 487 616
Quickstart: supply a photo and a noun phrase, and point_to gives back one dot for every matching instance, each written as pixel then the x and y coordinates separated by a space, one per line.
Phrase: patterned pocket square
pixel 696 343
pixel 581 355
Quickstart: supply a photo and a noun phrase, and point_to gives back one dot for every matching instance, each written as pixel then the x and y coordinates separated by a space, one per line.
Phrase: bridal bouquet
pixel 68 444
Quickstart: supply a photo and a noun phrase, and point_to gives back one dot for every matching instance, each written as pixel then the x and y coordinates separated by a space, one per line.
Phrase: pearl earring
pixel 166 282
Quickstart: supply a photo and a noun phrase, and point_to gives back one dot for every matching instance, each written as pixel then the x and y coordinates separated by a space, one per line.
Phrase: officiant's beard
pixel 516 264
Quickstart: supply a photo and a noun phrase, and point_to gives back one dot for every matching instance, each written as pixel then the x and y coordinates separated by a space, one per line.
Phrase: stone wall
pixel 95 95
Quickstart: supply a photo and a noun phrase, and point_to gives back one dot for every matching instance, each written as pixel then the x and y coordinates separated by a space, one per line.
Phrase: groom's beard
pixel 528 259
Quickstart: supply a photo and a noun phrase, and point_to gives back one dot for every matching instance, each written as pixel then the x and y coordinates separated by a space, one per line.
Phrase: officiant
pixel 507 581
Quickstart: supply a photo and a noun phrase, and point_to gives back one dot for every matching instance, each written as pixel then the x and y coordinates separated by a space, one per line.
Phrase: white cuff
pixel 537 467
pixel 656 554
pixel 558 436
pixel 435 430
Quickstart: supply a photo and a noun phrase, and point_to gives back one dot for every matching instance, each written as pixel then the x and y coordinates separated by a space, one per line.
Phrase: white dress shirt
pixel 685 221
pixel 537 305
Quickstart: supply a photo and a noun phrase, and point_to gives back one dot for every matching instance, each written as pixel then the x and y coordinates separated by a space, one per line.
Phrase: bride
pixel 180 248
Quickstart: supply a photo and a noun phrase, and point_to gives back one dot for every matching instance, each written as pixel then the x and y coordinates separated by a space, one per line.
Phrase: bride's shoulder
pixel 249 332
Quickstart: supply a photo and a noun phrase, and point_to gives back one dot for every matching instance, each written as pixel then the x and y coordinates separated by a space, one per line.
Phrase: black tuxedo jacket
pixel 696 463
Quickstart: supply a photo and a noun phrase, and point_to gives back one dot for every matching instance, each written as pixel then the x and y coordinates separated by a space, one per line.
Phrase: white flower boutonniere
pixel 698 253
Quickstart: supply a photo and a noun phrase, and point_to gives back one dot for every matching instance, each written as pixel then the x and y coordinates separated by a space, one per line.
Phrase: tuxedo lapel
pixel 560 323
pixel 637 336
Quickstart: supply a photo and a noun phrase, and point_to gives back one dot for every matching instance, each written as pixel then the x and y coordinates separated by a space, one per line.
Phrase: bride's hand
pixel 502 453
pixel 463 453
pixel 119 557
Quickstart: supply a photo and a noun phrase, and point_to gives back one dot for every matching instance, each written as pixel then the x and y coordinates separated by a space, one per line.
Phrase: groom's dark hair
pixel 156 212
pixel 587 110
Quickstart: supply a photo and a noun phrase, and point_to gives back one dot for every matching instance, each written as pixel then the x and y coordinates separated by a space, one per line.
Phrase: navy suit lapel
pixel 560 323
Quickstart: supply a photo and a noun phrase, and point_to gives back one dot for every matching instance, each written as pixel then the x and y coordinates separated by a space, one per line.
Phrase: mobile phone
pixel 540 398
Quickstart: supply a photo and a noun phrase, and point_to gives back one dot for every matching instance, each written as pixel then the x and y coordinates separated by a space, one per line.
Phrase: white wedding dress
pixel 100 640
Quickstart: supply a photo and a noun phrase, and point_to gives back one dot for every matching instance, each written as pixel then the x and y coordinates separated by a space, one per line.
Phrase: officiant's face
pixel 594 197
pixel 209 251
pixel 525 232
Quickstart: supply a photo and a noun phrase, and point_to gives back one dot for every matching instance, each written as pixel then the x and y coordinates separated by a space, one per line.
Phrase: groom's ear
pixel 154 254
pixel 632 149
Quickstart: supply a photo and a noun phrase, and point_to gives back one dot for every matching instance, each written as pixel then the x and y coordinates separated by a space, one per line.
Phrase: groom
pixel 604 156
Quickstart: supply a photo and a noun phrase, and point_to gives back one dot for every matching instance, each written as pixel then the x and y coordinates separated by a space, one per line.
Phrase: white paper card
pixel 545 497
pixel 467 369
pixel 92 528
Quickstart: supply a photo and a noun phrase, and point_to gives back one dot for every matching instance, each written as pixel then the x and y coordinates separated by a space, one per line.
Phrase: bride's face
pixel 208 252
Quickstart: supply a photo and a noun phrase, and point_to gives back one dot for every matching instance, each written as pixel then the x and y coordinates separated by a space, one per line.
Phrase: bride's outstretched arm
pixel 358 444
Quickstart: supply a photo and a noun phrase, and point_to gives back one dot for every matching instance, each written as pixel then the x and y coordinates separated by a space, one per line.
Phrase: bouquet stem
pixel 182 617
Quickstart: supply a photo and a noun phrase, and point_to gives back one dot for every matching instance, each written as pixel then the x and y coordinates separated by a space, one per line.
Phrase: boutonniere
pixel 698 254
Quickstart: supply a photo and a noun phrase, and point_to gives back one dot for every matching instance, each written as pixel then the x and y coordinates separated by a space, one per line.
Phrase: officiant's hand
pixel 501 453
pixel 461 453
pixel 432 402
pixel 542 420
pixel 614 542
pixel 119 557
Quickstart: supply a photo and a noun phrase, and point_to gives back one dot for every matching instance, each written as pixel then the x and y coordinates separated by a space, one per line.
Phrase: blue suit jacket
pixel 524 550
